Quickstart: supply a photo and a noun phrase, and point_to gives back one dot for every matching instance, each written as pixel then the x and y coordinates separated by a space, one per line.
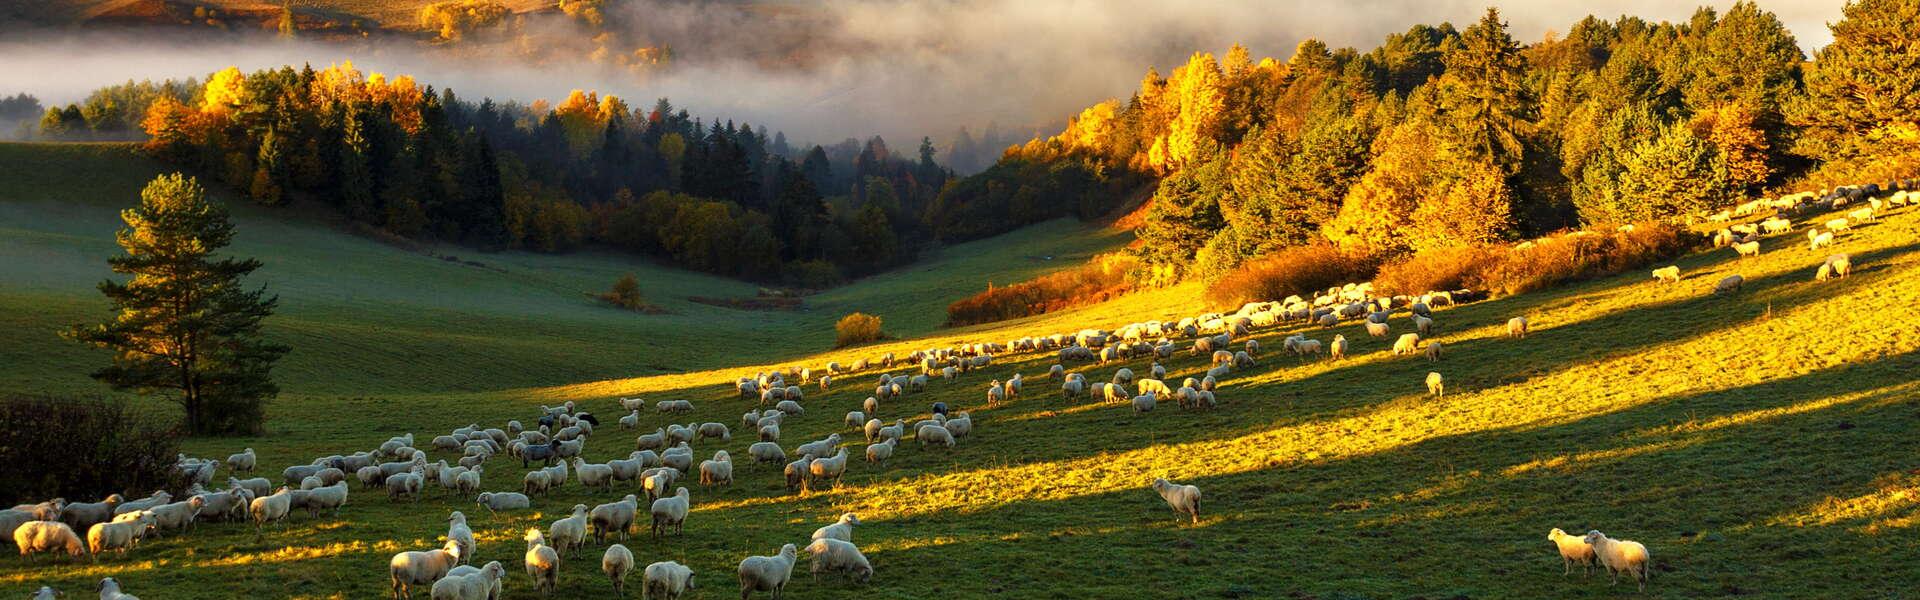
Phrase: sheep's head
pixel 1594 536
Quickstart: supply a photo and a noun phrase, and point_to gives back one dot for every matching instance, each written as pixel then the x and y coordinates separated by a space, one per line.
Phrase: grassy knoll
pixel 1759 443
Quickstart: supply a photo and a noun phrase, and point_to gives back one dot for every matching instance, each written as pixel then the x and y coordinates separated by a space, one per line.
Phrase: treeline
pixel 1442 138
pixel 397 155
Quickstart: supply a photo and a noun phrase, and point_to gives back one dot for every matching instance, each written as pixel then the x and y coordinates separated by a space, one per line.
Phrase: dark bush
pixel 81 449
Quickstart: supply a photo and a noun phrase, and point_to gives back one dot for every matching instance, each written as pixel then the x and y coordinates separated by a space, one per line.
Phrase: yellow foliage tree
pixel 1742 146
pixel 225 89
pixel 1197 89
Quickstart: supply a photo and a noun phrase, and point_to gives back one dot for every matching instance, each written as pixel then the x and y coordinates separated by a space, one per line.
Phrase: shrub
pixel 1442 269
pixel 1297 270
pixel 79 448
pixel 857 328
pixel 1580 255
pixel 1101 279
pixel 626 294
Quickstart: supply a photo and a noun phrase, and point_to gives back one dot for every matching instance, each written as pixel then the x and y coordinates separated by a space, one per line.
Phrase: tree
pixel 1862 103
pixel 1484 96
pixel 1673 175
pixel 184 324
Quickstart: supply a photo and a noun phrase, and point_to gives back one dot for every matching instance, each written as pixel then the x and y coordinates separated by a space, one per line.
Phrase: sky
pixel 851 68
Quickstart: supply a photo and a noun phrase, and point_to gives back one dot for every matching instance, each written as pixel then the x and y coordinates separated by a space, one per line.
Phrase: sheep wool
pixel 1184 499
pixel 1573 550
pixel 1620 556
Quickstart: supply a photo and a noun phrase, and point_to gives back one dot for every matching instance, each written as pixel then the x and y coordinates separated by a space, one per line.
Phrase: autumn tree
pixel 1862 103
pixel 183 323
pixel 1670 176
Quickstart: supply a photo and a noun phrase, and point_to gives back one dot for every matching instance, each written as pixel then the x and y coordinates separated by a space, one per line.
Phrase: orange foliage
pixel 1102 278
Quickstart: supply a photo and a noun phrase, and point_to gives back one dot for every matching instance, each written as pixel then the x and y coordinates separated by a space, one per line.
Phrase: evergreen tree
pixel 183 322
pixel 1862 103
pixel 1485 100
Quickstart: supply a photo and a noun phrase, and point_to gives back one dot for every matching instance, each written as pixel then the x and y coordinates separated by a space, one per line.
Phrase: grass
pixel 1758 443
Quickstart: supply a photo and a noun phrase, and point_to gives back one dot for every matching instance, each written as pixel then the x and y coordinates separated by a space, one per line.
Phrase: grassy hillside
pixel 1758 443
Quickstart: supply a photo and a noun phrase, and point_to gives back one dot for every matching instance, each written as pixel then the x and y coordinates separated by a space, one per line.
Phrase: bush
pixel 79 449
pixel 857 328
pixel 1443 269
pixel 1297 270
pixel 626 294
pixel 1101 279
pixel 1581 255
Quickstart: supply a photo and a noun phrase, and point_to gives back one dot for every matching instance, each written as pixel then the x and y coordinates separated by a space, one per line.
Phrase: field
pixel 1759 443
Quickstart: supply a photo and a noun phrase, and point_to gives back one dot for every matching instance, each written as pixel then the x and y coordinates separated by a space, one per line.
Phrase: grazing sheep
pixel 47 536
pixel 614 516
pixel 1124 376
pixel 651 441
pixel 1338 349
pixel 1433 351
pixel 796 472
pixel 1423 325
pixel 829 468
pixel 671 511
pixel 1747 249
pixel 499 501
pixel 271 508
pixel 1144 403
pixel 839 555
pixel 934 435
pixel 1620 556
pixel 406 484
pixel 110 590
pixel 666 581
pixel 329 498
pixel 790 407
pixel 243 461
pixel 1728 284
pixel 118 536
pixel 819 447
pixel 1573 549
pixel 1407 344
pixel 592 475
pixel 881 451
pixel 83 515
pixel 1838 265
pixel 840 530
pixel 854 418
pixel 469 583
pixel 1668 274
pixel 542 561
pixel 1378 329
pixel 407 570
pixel 1517 327
pixel 1435 387
pixel 1306 347
pixel 1822 240
pixel 718 471
pixel 569 534
pixel 767 573
pixel 617 562
pixel 1184 499
pixel 767 452
pixel 47 593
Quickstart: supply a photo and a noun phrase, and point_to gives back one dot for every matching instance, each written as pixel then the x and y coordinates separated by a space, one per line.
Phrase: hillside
pixel 1758 442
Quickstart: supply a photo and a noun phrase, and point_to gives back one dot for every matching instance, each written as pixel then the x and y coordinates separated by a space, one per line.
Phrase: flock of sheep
pixel 1744 238
pixel 663 456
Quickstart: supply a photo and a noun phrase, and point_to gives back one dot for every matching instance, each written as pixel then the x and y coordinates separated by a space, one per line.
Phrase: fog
pixel 823 71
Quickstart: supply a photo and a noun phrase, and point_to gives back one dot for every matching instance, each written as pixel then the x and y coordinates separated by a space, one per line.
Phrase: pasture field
pixel 1759 443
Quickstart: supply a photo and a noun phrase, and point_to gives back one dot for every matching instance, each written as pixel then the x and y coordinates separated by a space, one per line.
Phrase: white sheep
pixel 271 508
pixel 1839 265
pixel 469 583
pixel 671 511
pixel 667 580
pixel 1751 249
pixel 47 593
pixel 718 471
pixel 1573 550
pixel 118 536
pixel 830 554
pixel 839 530
pixel 1338 349
pixel 592 475
pixel 568 534
pixel 1517 327
pixel 110 590
pixel 243 461
pixel 934 435
pixel 1435 386
pixel 1620 556
pixel 1378 329
pixel 1433 351
pixel 499 501
pixel 881 451
pixel 542 562
pixel 1822 240
pixel 1668 274
pixel 1729 284
pixel 1423 325
pixel 1407 344
pixel 1144 403
pixel 407 570
pixel 767 452
pixel 406 484
pixel 329 498
pixel 617 562
pixel 47 536
pixel 829 468
pixel 1184 499
pixel 767 573
pixel 459 534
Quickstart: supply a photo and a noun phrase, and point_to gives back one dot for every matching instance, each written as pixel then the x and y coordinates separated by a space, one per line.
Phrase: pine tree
pixel 1863 100
pixel 183 322
pixel 1483 95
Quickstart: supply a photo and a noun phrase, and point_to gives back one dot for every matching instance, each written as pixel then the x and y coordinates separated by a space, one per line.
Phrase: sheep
pixel 1667 274
pixel 1620 556
pixel 1378 329
pixel 829 468
pixel 1517 327
pixel 656 481
pixel 81 516
pixel 47 536
pixel 1407 344
pixel 819 447
pixel 1433 352
pixel 767 452
pixel 542 562
pixel 409 569
pixel 769 432
pixel 499 501
pixel 570 533
pixel 1728 284
pixel 273 507
pixel 1329 320
pixel 592 475
pixel 671 511
pixel 881 451
pixel 840 530
pixel 1144 403
pixel 329 498
pixel 1124 376
pixel 679 458
pixel 1822 240
pixel 1072 388
pixel 406 484
pixel 1338 348
pixel 1863 215
pixel 110 590
pixel 1435 386
pixel 651 441
pixel 839 555
pixel 537 481
pixel 1423 325
pixel 1747 249
pixel 718 471
pixel 260 486
pixel 1306 347
pixel 715 431
pixel 934 434
pixel 796 472
pixel 666 580
pixel 1184 499
pixel 243 461
pixel 1056 371
pixel 1573 549
pixel 895 431
pixel 614 516
pixel 767 573
pixel 1840 265
pixel 120 536
pixel 47 593
pixel 469 583
pixel 790 407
